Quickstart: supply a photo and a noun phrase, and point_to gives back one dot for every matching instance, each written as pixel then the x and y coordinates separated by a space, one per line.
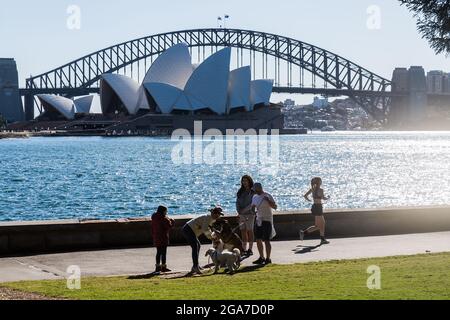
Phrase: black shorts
pixel 264 231
pixel 317 210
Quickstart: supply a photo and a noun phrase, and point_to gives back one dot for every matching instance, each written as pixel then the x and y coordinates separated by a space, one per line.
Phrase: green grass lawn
pixel 406 277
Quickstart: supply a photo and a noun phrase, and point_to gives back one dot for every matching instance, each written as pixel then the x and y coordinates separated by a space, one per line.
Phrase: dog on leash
pixel 217 243
pixel 230 259
pixel 225 232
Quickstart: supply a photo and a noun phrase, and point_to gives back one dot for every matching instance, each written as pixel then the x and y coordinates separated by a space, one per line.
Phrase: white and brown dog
pixel 230 259
pixel 217 242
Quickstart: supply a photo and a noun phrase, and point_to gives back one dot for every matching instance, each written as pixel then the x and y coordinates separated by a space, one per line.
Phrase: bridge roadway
pixel 291 90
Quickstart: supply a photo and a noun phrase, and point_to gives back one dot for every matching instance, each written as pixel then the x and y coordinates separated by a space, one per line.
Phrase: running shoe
pixel 259 261
pixel 324 241
pixel 302 235
pixel 249 252
pixel 268 261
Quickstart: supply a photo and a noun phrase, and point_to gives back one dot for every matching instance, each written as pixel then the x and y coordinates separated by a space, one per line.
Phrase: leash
pixel 240 225
pixel 210 260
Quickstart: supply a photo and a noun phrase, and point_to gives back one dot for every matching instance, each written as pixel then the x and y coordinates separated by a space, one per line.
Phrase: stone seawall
pixel 18 238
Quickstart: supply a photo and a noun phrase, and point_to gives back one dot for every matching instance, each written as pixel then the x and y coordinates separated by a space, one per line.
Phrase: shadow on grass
pixel 251 268
pixel 210 273
pixel 306 249
pixel 144 276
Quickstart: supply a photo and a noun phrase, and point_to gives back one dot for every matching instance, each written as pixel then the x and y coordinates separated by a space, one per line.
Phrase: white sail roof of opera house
pixel 64 106
pixel 83 104
pixel 239 89
pixel 173 67
pixel 260 91
pixel 207 86
pixel 174 83
pixel 126 89
pixel 164 95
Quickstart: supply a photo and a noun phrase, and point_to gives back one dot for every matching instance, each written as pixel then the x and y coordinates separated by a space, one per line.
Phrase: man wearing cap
pixel 263 203
pixel 195 228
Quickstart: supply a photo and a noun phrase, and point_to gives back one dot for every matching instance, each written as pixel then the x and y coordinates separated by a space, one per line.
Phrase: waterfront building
pixel 289 103
pixel 409 109
pixel 446 84
pixel 400 80
pixel 174 94
pixel 320 103
pixel 56 107
pixel 10 102
pixel 435 81
pixel 417 85
pixel 174 85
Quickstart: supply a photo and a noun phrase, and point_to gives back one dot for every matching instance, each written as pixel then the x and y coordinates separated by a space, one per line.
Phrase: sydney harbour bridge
pixel 295 66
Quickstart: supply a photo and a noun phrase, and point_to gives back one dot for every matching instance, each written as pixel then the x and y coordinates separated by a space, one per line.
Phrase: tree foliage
pixel 433 22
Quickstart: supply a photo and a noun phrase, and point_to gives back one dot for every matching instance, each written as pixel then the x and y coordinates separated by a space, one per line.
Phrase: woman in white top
pixel 194 229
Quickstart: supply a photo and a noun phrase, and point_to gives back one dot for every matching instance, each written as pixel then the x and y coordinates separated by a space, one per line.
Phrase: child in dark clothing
pixel 161 225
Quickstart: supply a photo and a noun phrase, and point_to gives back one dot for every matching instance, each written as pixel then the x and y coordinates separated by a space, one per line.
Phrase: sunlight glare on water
pixel 105 178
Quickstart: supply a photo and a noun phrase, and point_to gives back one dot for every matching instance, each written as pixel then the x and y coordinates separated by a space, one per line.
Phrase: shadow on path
pixel 306 249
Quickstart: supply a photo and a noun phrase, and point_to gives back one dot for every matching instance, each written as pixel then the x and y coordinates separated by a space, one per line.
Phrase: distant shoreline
pixel 14 135
pixel 285 132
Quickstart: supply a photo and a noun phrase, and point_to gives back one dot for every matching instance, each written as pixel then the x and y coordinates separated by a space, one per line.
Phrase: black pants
pixel 161 255
pixel 193 241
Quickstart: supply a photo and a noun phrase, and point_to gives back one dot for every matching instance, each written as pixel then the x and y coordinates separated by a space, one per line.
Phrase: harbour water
pixel 108 178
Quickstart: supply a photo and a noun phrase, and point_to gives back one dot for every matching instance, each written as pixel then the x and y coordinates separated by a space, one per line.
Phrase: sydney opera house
pixel 174 94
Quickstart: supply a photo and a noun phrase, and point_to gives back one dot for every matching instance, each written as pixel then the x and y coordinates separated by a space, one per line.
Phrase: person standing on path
pixel 246 214
pixel 194 229
pixel 263 203
pixel 161 225
pixel 317 210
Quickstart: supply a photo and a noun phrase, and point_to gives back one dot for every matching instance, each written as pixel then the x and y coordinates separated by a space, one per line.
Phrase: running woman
pixel 317 210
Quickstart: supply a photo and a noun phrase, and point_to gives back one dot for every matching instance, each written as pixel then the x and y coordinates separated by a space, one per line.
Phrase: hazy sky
pixel 35 33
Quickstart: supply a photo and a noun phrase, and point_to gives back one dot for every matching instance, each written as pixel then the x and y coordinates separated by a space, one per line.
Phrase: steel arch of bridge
pixel 336 71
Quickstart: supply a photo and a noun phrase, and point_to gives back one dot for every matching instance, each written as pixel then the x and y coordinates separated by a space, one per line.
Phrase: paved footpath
pixel 141 261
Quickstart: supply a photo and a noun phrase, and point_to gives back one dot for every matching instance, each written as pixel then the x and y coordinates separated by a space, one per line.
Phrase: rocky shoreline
pixel 12 135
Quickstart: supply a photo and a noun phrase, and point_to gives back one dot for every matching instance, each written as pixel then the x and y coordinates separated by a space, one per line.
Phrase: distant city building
pixel 410 108
pixel 446 85
pixel 289 103
pixel 320 103
pixel 400 80
pixel 436 81
pixel 417 85
pixel 10 102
